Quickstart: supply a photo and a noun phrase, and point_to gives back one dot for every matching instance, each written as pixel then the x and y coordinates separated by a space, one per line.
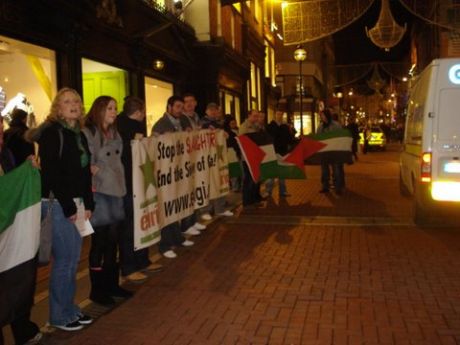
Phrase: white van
pixel 430 161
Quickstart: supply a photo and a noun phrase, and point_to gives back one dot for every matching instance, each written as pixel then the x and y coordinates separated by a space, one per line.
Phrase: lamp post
pixel 300 55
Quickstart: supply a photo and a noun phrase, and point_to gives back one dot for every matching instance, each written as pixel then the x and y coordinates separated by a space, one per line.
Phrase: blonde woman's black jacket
pixel 61 169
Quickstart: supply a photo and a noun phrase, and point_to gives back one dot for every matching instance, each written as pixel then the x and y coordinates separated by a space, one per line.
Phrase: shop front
pixel 135 49
pixel 27 79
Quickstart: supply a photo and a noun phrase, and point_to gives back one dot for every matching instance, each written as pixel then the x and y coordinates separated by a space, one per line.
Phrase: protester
pixel 191 121
pixel 354 130
pixel 329 125
pixel 366 136
pixel 251 194
pixel 282 140
pixel 109 186
pixel 171 234
pixel 130 125
pixel 14 137
pixel 23 329
pixel 65 164
pixel 231 128
pixel 212 121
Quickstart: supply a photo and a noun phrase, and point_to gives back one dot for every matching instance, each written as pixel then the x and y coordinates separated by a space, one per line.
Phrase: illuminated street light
pixel 300 55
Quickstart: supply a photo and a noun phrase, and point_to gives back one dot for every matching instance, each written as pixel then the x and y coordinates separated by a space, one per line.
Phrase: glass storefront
pixel 27 79
pixel 101 79
pixel 307 123
pixel 230 105
pixel 157 93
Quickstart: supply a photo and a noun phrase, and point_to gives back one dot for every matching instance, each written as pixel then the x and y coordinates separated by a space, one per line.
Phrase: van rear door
pixel 446 153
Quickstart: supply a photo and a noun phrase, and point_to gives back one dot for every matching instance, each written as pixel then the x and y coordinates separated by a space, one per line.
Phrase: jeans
pixel 282 186
pixel 338 176
pixel 66 247
pixel 131 261
pixel 215 206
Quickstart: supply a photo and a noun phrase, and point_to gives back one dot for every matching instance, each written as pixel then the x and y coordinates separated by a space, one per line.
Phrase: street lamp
pixel 300 55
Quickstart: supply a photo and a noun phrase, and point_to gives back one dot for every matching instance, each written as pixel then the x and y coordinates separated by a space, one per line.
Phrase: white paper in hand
pixel 83 225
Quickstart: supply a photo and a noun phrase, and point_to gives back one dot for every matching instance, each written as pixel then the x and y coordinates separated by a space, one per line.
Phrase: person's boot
pixel 114 288
pixel 99 289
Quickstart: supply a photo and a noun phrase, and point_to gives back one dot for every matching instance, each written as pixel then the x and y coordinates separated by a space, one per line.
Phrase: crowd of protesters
pixel 87 157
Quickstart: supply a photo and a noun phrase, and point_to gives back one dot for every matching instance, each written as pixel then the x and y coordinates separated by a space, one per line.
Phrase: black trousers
pixel 104 246
pixel 23 330
pixel 251 192
pixel 170 236
pixel 17 291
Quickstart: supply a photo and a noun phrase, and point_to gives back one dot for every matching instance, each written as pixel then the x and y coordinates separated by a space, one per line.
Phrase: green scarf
pixel 84 158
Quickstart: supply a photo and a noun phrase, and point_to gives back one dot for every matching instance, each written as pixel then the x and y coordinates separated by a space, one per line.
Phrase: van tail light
pixel 426 167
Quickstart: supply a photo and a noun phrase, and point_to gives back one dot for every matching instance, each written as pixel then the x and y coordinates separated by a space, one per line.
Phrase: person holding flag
pixel 17 279
pixel 251 193
pixel 329 125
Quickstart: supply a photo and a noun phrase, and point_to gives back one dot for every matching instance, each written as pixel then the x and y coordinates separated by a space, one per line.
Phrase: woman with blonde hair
pixel 109 189
pixel 66 180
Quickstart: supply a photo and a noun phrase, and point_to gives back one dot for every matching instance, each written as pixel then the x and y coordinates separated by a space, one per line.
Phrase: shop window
pixel 253 88
pixel 231 105
pixel 157 93
pixel 307 122
pixel 101 79
pixel 27 79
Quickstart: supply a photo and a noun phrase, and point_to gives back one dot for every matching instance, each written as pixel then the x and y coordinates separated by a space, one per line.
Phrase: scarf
pixel 84 158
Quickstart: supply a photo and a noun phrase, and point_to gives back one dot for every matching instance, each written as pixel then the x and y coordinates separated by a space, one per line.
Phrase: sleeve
pixel 90 139
pixel 87 193
pixel 51 162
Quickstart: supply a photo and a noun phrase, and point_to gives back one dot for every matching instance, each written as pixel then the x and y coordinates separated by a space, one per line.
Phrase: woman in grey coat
pixel 108 179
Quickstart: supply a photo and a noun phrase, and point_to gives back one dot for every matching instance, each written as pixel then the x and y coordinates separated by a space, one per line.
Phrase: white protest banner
pixel 173 175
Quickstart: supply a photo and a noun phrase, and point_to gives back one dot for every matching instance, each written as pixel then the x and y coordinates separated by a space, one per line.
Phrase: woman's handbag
pixel 108 209
pixel 46 234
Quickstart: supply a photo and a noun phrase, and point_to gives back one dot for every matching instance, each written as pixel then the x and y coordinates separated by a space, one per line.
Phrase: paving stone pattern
pixel 288 282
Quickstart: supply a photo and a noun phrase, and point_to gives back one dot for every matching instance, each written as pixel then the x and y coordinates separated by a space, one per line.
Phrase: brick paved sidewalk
pixel 309 269
pixel 299 284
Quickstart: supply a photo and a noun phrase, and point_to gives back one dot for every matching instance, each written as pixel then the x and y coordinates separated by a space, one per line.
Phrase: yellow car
pixel 376 139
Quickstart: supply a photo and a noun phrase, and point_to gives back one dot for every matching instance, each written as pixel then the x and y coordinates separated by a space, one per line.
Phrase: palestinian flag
pixel 333 147
pixel 258 152
pixel 234 165
pixel 292 165
pixel 20 196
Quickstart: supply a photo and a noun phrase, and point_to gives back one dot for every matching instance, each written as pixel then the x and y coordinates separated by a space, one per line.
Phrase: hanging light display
pixel 445 14
pixel 305 21
pixel 376 82
pixel 386 33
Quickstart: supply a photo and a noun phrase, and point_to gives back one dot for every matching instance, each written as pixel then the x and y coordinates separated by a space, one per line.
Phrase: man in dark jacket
pixel 282 139
pixel 130 125
pixel 171 121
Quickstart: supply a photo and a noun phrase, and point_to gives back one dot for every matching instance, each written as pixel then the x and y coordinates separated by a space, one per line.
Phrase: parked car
pixel 377 139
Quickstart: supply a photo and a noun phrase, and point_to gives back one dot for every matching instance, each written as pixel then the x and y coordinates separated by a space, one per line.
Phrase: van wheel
pixel 402 187
pixel 423 213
